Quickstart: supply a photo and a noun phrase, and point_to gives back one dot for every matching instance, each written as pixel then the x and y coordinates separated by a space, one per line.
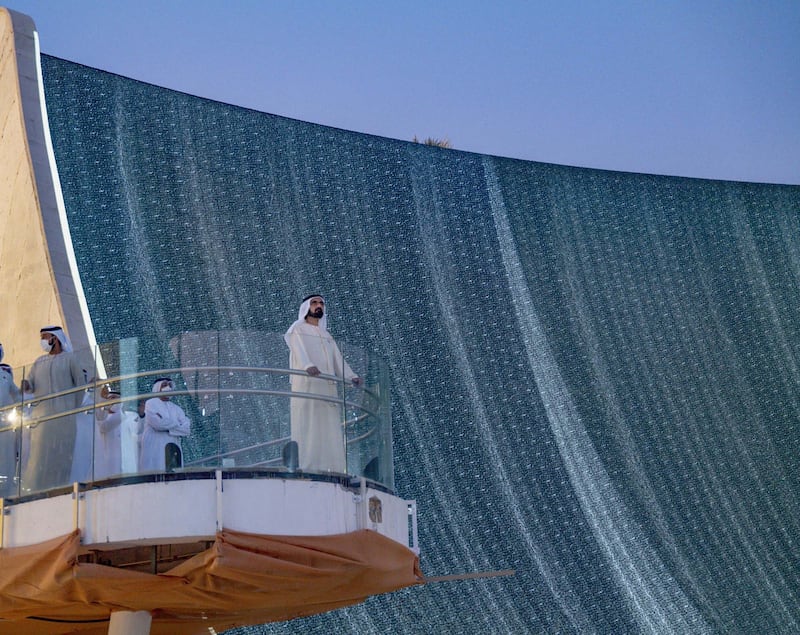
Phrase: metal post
pixel 76 497
pixel 220 485
pixel 364 511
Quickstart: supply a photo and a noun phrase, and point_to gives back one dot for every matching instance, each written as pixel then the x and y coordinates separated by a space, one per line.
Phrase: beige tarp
pixel 241 579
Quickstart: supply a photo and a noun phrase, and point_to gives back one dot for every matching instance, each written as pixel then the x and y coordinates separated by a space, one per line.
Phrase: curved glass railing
pixel 234 405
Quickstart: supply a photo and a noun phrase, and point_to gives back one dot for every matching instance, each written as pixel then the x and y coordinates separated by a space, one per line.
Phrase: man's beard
pixel 316 314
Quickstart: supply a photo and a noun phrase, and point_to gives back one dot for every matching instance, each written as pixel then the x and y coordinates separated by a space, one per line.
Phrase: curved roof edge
pixel 39 280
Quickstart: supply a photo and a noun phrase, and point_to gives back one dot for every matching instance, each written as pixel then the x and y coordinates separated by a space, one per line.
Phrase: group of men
pixel 70 435
pixel 57 443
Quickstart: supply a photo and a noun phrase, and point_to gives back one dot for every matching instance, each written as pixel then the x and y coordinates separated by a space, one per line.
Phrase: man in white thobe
pixel 164 423
pixel 52 442
pixel 108 437
pixel 84 440
pixel 9 395
pixel 132 429
pixel 317 424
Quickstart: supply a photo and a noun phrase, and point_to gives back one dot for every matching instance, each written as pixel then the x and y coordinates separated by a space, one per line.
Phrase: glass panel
pixel 238 384
pixel 135 369
pixel 54 404
pixel 10 432
pixel 367 421
pixel 231 406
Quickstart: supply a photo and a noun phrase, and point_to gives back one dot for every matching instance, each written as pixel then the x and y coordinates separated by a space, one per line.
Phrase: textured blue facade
pixel 595 374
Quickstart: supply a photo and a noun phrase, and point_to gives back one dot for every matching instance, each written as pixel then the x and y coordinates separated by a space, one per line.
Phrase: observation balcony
pixel 70 479
pixel 234 388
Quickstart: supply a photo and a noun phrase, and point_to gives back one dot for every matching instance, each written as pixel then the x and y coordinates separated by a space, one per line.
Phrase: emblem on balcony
pixel 375 510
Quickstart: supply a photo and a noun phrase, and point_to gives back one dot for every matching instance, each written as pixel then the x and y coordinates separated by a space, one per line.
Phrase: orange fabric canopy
pixel 241 579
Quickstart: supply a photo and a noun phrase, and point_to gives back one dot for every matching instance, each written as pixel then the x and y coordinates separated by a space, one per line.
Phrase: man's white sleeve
pixel 182 425
pixel 107 421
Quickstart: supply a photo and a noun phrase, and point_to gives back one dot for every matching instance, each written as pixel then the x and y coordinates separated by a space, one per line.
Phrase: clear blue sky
pixel 694 88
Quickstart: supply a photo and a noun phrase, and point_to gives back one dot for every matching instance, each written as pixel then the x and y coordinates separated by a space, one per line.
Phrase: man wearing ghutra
pixel 165 423
pixel 53 441
pixel 317 424
pixel 108 436
pixel 9 394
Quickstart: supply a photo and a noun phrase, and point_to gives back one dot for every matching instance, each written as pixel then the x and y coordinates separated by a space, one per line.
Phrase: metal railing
pixel 241 416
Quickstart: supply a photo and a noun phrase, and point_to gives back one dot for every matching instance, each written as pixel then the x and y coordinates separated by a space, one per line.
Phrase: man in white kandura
pixel 317 425
pixel 53 441
pixel 9 395
pixel 108 436
pixel 164 423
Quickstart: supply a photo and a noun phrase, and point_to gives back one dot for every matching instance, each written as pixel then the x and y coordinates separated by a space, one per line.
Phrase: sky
pixel 702 88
